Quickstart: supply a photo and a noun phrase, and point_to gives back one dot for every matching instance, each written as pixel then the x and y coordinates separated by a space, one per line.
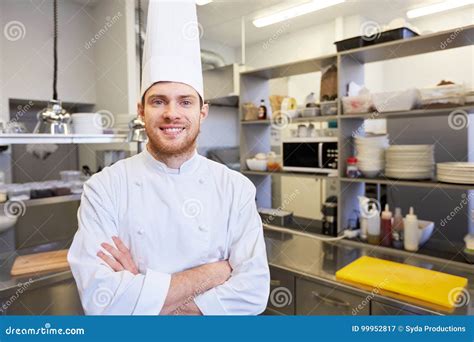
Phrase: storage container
pixel 357 104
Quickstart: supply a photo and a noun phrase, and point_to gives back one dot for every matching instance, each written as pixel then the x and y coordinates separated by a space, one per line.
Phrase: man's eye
pixel 158 102
pixel 187 103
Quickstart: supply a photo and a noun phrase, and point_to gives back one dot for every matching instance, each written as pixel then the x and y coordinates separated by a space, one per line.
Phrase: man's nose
pixel 171 111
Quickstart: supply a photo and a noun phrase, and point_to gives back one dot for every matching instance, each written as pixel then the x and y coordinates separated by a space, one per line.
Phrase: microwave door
pixel 300 156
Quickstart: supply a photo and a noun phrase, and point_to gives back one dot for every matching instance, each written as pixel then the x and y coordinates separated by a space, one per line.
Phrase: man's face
pixel 172 116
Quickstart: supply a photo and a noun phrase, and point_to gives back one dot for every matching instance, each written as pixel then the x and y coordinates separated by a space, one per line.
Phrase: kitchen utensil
pixel 54 119
pixel 402 279
pixel 257 165
pixel 329 211
pixel 40 262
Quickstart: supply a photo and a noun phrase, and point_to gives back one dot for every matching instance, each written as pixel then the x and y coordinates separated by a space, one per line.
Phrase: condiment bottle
pixel 411 234
pixel 262 110
pixel 386 224
pixel 352 171
pixel 397 229
pixel 373 226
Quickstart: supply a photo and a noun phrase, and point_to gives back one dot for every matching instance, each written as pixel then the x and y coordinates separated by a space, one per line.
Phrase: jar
pixel 352 171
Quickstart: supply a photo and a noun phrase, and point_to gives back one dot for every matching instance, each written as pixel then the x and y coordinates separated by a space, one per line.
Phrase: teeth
pixel 173 130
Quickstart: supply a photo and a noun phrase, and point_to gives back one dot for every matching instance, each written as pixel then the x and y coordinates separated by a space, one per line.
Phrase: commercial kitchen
pixel 354 120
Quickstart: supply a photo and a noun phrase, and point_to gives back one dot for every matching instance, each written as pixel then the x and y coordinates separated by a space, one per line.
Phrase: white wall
pixel 27 62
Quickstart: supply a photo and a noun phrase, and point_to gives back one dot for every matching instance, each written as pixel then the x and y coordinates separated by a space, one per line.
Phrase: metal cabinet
pixel 314 298
pixel 59 298
pixel 282 293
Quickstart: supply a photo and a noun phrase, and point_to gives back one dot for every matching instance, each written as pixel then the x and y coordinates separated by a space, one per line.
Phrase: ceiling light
pixel 203 2
pixel 295 11
pixel 439 7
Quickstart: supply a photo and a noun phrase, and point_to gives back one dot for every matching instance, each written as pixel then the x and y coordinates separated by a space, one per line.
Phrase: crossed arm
pixel 184 286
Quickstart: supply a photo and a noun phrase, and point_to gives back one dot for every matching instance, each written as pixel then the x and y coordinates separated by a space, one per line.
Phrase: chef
pixel 168 231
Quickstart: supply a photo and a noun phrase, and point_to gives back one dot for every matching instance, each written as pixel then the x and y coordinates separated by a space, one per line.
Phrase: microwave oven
pixel 310 154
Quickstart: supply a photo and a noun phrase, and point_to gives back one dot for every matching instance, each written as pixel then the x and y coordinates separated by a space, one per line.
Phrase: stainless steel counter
pixel 305 255
pixel 300 253
pixel 9 284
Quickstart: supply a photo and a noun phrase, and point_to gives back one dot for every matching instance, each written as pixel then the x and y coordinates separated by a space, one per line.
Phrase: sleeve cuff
pixel 153 294
pixel 209 303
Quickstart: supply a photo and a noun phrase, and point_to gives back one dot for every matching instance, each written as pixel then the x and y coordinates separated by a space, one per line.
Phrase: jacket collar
pixel 187 167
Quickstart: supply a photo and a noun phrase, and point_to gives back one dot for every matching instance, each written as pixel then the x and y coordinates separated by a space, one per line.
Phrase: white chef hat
pixel 172 51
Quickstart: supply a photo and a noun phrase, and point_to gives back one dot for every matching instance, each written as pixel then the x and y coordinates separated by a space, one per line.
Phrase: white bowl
pixel 7 222
pixel 257 165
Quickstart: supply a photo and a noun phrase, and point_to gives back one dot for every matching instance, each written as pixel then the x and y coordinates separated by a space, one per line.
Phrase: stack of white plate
pixel 456 172
pixel 370 153
pixel 409 161
pixel 86 123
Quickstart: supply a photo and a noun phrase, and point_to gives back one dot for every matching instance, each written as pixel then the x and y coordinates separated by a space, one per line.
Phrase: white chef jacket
pixel 171 220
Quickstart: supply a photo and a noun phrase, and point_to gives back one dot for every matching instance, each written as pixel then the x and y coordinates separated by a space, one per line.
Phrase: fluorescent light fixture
pixel 438 7
pixel 295 11
pixel 203 2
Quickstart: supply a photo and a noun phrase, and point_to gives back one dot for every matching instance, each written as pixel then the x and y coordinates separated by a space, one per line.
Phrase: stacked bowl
pixel 410 161
pixel 370 152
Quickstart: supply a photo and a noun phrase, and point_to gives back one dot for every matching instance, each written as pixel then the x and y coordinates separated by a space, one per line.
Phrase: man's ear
pixel 204 111
pixel 141 111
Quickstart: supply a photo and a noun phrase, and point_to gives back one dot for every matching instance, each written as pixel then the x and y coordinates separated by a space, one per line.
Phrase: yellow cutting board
pixel 411 281
pixel 40 262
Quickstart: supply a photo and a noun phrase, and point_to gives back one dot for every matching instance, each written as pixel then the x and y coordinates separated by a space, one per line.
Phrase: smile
pixel 172 131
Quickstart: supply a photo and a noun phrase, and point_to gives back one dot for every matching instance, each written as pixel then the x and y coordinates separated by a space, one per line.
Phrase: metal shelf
pixel 225 101
pixel 47 200
pixel 294 120
pixel 32 138
pixel 411 113
pixel 256 122
pixel 288 174
pixel 413 183
pixel 291 69
pixel 438 41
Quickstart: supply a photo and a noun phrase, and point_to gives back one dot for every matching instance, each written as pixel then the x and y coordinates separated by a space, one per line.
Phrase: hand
pixel 121 259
